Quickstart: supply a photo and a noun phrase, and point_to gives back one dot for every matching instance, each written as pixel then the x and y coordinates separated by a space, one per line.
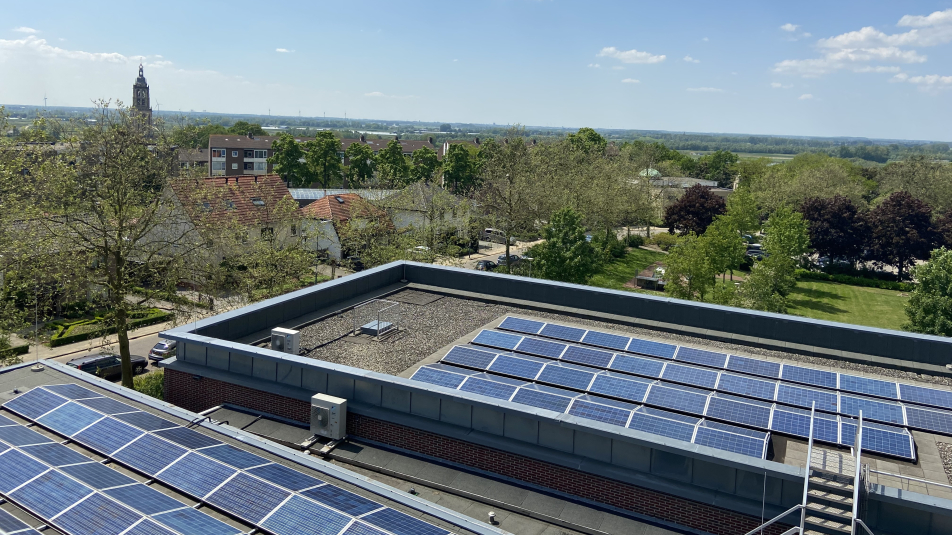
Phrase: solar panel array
pixel 270 496
pixel 517 378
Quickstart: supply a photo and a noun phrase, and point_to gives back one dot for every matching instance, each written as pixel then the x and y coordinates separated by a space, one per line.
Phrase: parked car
pixel 107 364
pixel 513 260
pixel 355 263
pixel 486 265
pixel 496 236
pixel 163 350
pixel 756 254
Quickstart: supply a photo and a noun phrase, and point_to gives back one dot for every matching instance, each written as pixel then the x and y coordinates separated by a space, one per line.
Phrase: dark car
pixel 107 364
pixel 163 350
pixel 355 263
pixel 486 265
pixel 514 259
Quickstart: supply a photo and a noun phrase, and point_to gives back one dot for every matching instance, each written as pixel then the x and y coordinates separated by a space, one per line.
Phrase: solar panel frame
pixel 521 325
pixel 631 389
pixel 192 522
pixel 637 366
pixel 145 421
pixel 188 438
pixel 401 524
pixel 69 419
pixel 732 442
pixel 34 403
pixel 809 376
pixel 50 494
pixel 704 357
pixel 469 356
pixel 16 468
pixel 566 375
pixel 72 391
pixel 493 389
pixel 144 499
pixel 234 457
pixel 150 454
pixel 874 409
pixel 867 386
pixel 21 436
pixel 523 367
pixel 690 375
pixel 196 474
pixel 342 500
pixel 541 400
pixel 499 340
pixel 10 523
pixel 285 477
pixel 107 436
pixel 611 341
pixel 925 396
pixel 657 425
pixel 541 348
pixel 738 410
pixel 801 396
pixel 97 515
pixel 747 386
pixel 55 454
pixel 107 405
pixel 438 377
pixel 935 420
pixel 148 527
pixel 563 332
pixel 651 348
pixel 587 356
pixel 96 475
pixel 600 413
pixel 763 368
pixel 679 398
pixel 300 515
pixel 248 498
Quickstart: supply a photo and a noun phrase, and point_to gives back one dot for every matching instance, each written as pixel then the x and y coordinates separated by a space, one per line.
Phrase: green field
pixel 777 157
pixel 849 304
pixel 615 274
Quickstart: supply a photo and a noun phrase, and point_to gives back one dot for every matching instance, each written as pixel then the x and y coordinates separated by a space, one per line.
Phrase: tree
pixel 507 192
pixel 323 157
pixel 446 127
pixel 809 175
pixel 244 128
pixel 424 164
pixel 837 228
pixel 363 163
pixel 922 177
pixel 694 211
pixel 742 211
pixel 689 273
pixel 725 246
pixel 392 166
pixel 287 158
pixel 718 166
pixel 930 306
pixel 566 255
pixel 460 168
pixel 772 279
pixel 901 231
pixel 786 235
pixel 943 226
pixel 195 136
pixel 588 140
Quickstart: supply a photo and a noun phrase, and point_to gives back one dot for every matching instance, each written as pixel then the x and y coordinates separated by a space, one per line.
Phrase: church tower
pixel 140 96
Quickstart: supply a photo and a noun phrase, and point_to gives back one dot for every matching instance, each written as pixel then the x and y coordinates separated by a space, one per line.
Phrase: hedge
pixel 174 298
pixel 857 281
pixel 12 352
pixel 63 334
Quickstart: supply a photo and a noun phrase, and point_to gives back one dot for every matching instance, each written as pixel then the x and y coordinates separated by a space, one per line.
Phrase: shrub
pixel 857 281
pixel 664 241
pixel 635 240
pixel 150 384
pixel 610 246
pixel 77 331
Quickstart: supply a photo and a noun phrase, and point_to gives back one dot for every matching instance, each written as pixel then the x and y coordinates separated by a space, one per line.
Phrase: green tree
pixel 363 163
pixel 244 128
pixel 930 307
pixel 787 234
pixel 742 211
pixel 323 158
pixel 195 136
pixel 566 255
pixel 508 191
pixel 588 140
pixel 425 163
pixel 767 287
pixel 689 272
pixel 460 168
pixel 392 166
pixel 725 246
pixel 287 158
pixel 719 166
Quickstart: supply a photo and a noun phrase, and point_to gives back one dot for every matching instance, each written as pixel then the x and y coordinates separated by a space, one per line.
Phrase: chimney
pixel 397 138
pixel 430 139
pixel 250 135
pixel 476 141
pixel 226 179
pixel 363 139
pixel 256 179
pixel 236 180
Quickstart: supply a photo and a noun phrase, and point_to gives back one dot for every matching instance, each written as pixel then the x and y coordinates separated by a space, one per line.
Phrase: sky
pixel 877 69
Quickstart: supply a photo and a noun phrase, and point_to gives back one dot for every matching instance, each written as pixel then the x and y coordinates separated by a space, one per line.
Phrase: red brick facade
pixel 197 395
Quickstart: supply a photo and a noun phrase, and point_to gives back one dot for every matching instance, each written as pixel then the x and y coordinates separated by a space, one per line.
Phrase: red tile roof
pixel 249 199
pixel 340 208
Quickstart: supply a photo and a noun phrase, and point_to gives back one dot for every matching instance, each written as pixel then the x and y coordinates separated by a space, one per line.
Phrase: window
pixel 261 166
pixel 234 154
pixel 218 153
pixel 218 166
pixel 261 154
pixel 234 166
pixel 205 206
pixel 267 233
pixel 294 230
pixel 257 201
pixel 249 166
pixel 229 205
pixel 249 154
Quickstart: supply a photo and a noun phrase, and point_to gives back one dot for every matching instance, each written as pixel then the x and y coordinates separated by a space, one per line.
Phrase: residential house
pixel 325 220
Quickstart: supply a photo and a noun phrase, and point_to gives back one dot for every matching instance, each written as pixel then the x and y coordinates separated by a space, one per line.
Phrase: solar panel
pixel 488 388
pixel 655 349
pixel 884 441
pixel 808 376
pixel 600 413
pixel 797 422
pixel 55 454
pixel 6 421
pixel 97 515
pixel 16 469
pixel 497 339
pixel 438 377
pixel 517 366
pixel 195 474
pixel 144 499
pixel 542 348
pixel 342 500
pixel 145 421
pixel 929 419
pixel 563 375
pixel 542 400
pixel 563 332
pixel 248 498
pixel 587 356
pixel 49 494
pixel 652 423
pixel 521 325
pixel 359 528
pixel 739 410
pixel 747 386
pixel 107 405
pixel 737 430
pixel 401 524
pixel 732 442
pixel 69 419
pixel 467 356
pixel 96 475
pixel 286 477
pixel 865 385
pixel 299 515
pixel 701 356
pixel 754 366
pixel 620 387
pixel 188 438
pixel 690 375
pixel 10 523
pixel 926 396
pixel 611 341
pixel 107 435
pixel 233 456
pixel 34 403
pixel 637 365
pixel 193 522
pixel 679 398
pixel 804 397
pixel 148 527
pixel 72 391
pixel 150 454
pixel 21 436
pixel 884 411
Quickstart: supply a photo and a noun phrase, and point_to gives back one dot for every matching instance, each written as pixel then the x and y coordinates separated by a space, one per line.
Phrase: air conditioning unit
pixel 285 340
pixel 328 416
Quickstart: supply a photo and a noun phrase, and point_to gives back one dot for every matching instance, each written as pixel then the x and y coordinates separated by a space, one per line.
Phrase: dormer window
pixel 339 199
pixel 257 201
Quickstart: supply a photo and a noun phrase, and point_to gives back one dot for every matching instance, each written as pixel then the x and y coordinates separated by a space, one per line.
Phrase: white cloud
pixel 878 68
pixel 705 90
pixel 32 44
pixel 805 96
pixel 618 68
pixel 630 81
pixel 284 50
pixel 592 65
pixel 789 27
pixel 778 85
pixel 630 56
pixel 455 60
pixel 705 39
pixel 25 29
pixel 846 58
pixel 689 59
pixel 930 83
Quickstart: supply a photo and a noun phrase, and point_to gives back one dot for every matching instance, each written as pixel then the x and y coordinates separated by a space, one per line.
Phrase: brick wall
pixel 197 395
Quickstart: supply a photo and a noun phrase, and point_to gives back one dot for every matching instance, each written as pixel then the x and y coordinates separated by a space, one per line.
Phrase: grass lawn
pixel 614 275
pixel 849 304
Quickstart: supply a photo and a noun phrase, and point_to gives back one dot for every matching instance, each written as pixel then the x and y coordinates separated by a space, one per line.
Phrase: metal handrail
pixel 861 523
pixel 806 476
pixel 900 476
pixel 858 447
pixel 775 519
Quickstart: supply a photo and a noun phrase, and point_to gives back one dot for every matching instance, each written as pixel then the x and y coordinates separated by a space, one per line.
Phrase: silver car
pixel 163 350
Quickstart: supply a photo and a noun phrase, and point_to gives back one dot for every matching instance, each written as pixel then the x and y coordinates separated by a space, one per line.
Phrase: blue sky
pixel 830 68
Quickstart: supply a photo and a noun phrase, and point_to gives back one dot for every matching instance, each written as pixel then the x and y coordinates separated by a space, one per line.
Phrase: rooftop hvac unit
pixel 328 416
pixel 285 340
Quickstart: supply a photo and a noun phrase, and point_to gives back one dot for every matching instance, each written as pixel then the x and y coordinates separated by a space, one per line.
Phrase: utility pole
pixel 44 100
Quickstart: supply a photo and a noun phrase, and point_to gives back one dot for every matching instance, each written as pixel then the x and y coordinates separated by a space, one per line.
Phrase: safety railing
pixel 806 476
pixel 760 528
pixel 858 449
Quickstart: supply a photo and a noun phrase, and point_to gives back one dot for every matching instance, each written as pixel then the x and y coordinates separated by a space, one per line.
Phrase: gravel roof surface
pixel 945 452
pixel 427 328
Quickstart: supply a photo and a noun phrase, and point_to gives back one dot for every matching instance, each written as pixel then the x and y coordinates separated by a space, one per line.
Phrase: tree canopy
pixel 566 255
pixel 286 157
pixel 322 155
pixel 694 211
pixel 929 309
pixel 902 231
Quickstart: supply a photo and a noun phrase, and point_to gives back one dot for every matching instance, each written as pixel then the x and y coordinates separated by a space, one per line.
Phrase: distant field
pixel 746 155
pixel 849 304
